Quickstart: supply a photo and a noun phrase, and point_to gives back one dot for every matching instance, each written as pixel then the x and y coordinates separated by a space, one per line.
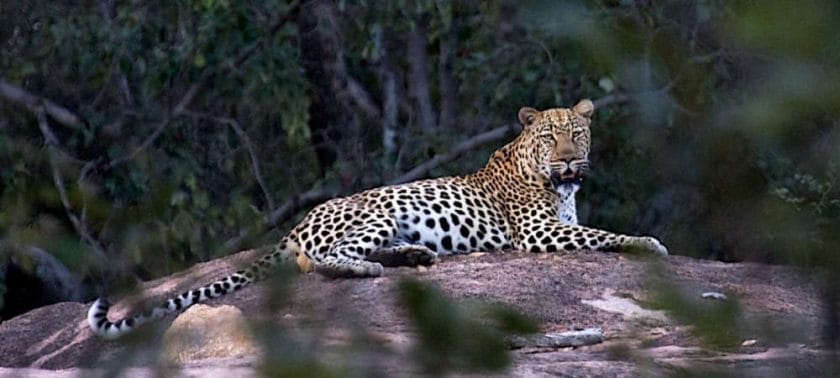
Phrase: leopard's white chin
pixel 567 189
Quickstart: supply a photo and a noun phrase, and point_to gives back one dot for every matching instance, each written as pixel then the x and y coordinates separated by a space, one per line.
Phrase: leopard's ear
pixel 527 116
pixel 585 108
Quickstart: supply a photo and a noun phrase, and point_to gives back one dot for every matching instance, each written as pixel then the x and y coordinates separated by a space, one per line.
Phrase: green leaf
pixel 199 60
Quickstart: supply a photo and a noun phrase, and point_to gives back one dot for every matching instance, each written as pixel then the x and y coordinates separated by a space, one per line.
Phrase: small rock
pixel 659 331
pixel 421 268
pixel 714 295
pixel 204 332
pixel 588 336
pixel 749 342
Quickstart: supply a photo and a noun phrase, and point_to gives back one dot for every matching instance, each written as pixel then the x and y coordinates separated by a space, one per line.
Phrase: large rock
pixel 358 323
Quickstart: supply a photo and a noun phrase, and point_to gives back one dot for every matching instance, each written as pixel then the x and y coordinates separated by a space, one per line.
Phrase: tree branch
pixel 78 224
pixel 61 282
pixel 361 97
pixel 249 146
pixel 300 201
pixel 146 143
pixel 35 104
pixel 610 99
pixel 283 213
pixel 178 110
pixel 469 144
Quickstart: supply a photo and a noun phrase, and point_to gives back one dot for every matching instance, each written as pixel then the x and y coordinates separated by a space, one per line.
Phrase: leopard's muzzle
pixel 568 173
pixel 564 185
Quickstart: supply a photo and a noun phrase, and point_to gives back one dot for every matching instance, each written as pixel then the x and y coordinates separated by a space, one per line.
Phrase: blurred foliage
pixel 719 323
pixel 455 338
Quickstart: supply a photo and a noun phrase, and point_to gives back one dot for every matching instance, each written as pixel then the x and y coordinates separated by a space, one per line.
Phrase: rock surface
pixel 358 323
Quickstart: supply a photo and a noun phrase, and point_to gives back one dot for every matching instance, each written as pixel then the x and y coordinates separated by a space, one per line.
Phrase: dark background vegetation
pixel 138 138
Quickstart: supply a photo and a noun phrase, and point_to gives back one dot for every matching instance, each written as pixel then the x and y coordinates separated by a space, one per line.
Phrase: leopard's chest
pixel 566 205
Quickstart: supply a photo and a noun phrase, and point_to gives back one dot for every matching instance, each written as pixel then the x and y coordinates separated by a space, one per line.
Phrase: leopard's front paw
pixel 654 245
pixel 349 269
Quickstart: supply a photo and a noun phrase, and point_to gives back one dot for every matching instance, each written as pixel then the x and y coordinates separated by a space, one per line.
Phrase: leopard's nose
pixel 567 173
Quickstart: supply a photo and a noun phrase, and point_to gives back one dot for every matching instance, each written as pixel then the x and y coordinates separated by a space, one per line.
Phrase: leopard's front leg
pixel 553 237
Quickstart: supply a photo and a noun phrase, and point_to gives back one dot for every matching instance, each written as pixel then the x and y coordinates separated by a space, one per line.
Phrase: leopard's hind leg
pixel 347 257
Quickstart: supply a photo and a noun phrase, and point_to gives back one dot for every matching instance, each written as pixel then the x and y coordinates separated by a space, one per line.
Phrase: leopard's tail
pixel 98 312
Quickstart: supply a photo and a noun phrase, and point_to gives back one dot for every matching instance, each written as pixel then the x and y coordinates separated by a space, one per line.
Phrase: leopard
pixel 522 199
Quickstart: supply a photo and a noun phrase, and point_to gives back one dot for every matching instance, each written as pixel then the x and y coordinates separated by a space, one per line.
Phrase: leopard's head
pixel 558 143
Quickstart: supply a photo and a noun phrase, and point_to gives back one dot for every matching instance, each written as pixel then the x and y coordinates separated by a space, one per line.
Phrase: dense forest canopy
pixel 139 138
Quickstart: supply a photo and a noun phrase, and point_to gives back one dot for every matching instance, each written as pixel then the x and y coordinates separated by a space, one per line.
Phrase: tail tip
pixel 97 317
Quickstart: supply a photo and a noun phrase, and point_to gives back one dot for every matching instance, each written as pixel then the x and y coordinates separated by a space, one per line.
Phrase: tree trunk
pixel 418 61
pixel 331 120
pixel 388 80
pixel 108 11
pixel 446 79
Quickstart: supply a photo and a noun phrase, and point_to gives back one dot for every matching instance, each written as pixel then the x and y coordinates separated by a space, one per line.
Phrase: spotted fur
pixel 519 200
